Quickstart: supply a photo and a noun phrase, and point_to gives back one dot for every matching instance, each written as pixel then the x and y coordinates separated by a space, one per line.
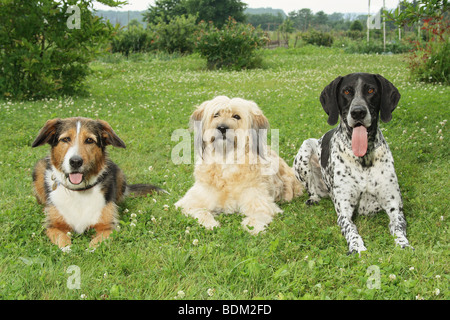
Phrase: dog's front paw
pixel 356 246
pixel 207 220
pixel 311 202
pixel 403 243
pixel 253 226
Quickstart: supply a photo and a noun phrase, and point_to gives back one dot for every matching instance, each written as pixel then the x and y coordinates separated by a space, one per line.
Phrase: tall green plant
pixel 235 46
pixel 430 61
pixel 176 35
pixel 46 45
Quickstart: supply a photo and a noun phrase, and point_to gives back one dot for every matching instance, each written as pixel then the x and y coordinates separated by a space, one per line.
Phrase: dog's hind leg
pixel 307 170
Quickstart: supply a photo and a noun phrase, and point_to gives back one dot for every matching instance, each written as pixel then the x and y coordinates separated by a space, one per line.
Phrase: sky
pixel 328 6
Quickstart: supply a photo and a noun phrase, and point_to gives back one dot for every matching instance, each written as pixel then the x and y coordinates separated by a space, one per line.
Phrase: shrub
pixel 430 62
pixel 235 46
pixel 134 39
pixel 176 35
pixel 39 55
pixel 318 38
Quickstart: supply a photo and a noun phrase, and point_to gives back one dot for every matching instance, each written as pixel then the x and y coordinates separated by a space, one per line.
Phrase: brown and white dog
pixel 79 185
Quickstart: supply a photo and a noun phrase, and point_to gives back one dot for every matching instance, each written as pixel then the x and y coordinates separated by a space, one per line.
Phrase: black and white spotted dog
pixel 352 163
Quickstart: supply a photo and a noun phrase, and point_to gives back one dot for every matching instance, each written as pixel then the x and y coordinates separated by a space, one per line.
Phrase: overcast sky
pixel 328 6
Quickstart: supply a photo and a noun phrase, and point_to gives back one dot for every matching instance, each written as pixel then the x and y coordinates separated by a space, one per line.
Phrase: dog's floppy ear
pixel 196 125
pixel 328 99
pixel 47 133
pixel 389 98
pixel 109 136
pixel 197 115
pixel 259 125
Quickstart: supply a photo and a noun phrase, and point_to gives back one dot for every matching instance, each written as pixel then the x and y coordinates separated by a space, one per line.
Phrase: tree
pixel 46 46
pixel 164 10
pixel 356 26
pixel 408 13
pixel 301 19
pixel 430 62
pixel 320 18
pixel 217 11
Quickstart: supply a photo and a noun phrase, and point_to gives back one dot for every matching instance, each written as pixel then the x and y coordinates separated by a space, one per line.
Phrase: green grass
pixel 302 255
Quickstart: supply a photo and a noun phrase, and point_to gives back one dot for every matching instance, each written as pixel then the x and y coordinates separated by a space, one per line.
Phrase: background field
pixel 160 252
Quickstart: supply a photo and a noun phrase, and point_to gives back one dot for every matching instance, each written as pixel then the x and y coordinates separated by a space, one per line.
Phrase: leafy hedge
pixel 40 55
pixel 234 46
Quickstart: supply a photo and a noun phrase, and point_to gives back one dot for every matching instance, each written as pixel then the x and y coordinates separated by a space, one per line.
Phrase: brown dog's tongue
pixel 75 178
pixel 359 141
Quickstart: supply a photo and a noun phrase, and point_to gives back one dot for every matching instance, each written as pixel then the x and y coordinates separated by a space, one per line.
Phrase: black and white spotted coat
pixel 368 184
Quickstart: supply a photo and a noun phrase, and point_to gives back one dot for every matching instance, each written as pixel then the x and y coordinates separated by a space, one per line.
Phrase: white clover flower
pixel 195 242
pixel 66 249
pixel 210 292
pixel 132 224
pixel 392 277
pixel 83 296
pixel 411 269
pixel 181 294
pixel 166 207
pixel 437 291
pixel 133 215
pixel 153 219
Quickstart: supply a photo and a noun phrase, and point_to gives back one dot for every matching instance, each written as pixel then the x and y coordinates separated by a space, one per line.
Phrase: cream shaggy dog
pixel 235 171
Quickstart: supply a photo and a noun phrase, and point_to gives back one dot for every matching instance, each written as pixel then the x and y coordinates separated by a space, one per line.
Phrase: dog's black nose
pixel 76 162
pixel 358 112
pixel 223 129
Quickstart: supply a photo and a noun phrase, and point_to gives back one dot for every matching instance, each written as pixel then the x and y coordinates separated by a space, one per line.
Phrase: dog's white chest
pixel 80 209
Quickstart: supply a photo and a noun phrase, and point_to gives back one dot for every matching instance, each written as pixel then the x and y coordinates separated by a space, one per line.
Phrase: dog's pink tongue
pixel 359 141
pixel 75 178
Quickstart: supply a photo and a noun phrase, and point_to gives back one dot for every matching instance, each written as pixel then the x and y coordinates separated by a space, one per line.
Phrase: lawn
pixel 158 253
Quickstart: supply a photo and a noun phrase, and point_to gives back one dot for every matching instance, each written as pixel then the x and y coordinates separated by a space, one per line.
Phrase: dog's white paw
pixel 207 220
pixel 253 226
pixel 356 246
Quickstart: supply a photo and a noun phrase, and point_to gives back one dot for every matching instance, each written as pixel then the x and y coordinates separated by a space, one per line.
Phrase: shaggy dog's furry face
pixel 236 171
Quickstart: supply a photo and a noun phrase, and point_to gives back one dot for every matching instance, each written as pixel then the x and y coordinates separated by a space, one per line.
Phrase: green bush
pixel 318 38
pixel 235 46
pixel 176 35
pixel 134 39
pixel 431 63
pixel 40 55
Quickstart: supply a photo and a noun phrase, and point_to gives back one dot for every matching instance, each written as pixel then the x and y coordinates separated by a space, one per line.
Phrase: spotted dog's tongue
pixel 75 178
pixel 359 141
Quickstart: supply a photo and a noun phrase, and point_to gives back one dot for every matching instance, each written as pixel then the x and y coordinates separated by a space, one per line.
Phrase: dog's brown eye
pixel 66 139
pixel 216 115
pixel 346 92
pixel 370 91
pixel 237 117
pixel 89 141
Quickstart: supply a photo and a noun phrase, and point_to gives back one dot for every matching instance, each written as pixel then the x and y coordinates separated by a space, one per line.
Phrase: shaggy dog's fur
pixel 236 171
